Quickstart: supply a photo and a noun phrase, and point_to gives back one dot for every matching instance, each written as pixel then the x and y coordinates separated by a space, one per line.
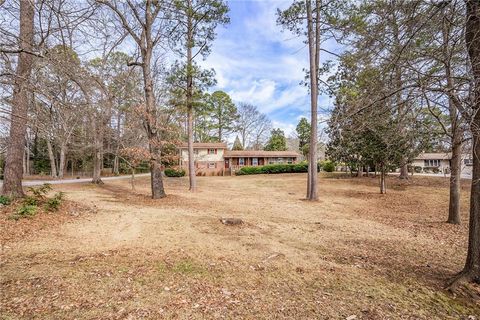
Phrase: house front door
pixel 227 163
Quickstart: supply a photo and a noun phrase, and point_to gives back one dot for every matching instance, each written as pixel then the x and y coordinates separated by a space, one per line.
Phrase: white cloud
pixel 257 63
pixel 287 127
pixel 261 91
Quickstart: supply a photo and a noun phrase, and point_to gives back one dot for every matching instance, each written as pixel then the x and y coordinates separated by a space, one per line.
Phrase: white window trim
pixel 432 163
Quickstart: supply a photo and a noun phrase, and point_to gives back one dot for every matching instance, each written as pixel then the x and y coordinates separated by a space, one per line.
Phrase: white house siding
pixel 206 164
pixel 444 159
pixel 444 164
pixel 203 155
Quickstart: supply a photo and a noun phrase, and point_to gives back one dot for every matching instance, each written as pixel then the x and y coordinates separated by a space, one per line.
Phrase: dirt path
pixel 353 253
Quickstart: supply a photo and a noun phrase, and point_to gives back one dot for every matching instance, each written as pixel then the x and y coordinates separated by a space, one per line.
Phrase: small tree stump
pixel 231 221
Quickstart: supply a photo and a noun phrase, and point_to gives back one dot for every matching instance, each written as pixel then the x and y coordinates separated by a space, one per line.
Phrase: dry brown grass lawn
pixel 355 252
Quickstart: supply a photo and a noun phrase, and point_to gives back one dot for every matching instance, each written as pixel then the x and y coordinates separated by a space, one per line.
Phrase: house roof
pixel 440 156
pixel 205 145
pixel 259 153
pixel 434 156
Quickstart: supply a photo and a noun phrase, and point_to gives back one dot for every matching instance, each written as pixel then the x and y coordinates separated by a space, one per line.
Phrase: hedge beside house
pixel 274 168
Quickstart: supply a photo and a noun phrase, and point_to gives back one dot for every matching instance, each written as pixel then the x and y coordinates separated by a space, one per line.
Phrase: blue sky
pixel 256 62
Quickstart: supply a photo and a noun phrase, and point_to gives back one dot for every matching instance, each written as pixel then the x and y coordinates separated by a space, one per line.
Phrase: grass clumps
pixel 53 204
pixel 182 267
pixel 4 200
pixel 187 267
pixel 24 211
pixel 37 199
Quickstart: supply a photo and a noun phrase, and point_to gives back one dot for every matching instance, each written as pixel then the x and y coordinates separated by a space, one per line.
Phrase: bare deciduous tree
pixel 141 21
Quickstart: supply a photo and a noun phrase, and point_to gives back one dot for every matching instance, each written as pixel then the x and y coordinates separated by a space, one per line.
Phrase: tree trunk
pixel 116 161
pixel 51 157
pixel 158 190
pixel 61 165
pixel 471 270
pixel 27 156
pixel 97 152
pixel 383 184
pixel 314 56
pixel 12 183
pixel 116 165
pixel 132 180
pixel 244 138
pixel 456 128
pixel 191 155
pixel 360 171
pixel 404 171
pixel 24 162
pixel 455 175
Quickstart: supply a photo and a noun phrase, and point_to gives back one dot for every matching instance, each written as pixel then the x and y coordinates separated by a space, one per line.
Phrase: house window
pixel 212 151
pixel 271 161
pixel 241 161
pixel 289 160
pixel 468 162
pixel 432 163
pixel 254 161
pixel 279 160
pixel 212 165
pixel 195 151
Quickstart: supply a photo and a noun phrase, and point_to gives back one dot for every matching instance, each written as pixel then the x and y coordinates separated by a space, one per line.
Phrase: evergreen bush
pixel 170 172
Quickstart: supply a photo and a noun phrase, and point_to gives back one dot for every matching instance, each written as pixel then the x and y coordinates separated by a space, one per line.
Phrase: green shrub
pixel 249 170
pixel 170 172
pixel 41 191
pixel 5 200
pixel 431 169
pixel 54 203
pixel 328 166
pixel 25 211
pixel 30 201
pixel 417 169
pixel 274 169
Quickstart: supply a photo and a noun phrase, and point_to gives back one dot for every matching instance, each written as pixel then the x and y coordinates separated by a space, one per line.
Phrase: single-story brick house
pixel 440 162
pixel 215 158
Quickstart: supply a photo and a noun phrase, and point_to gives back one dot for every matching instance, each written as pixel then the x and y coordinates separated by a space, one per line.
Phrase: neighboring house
pixel 440 163
pixel 214 158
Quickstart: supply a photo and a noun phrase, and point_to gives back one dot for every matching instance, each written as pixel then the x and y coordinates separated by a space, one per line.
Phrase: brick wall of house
pixel 207 163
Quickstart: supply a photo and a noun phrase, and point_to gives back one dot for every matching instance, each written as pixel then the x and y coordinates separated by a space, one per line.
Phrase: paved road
pixel 438 175
pixel 66 181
